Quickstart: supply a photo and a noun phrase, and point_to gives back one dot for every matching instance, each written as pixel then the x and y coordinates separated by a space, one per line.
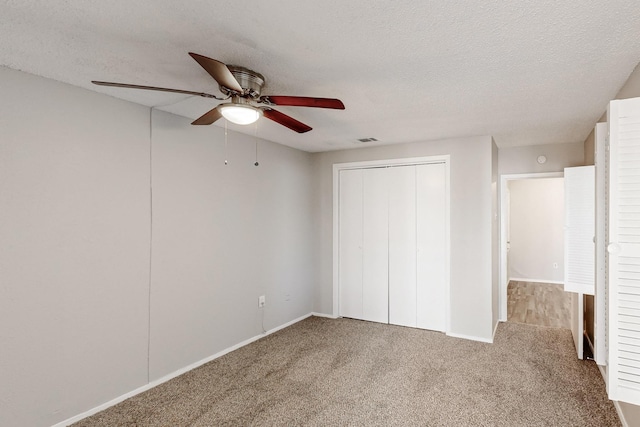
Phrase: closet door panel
pixel 623 260
pixel 579 230
pixel 431 246
pixel 402 245
pixel 350 256
pixel 375 283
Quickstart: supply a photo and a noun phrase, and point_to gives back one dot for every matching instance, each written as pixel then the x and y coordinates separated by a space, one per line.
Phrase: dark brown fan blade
pixel 303 101
pixel 285 120
pixel 161 89
pixel 218 71
pixel 208 118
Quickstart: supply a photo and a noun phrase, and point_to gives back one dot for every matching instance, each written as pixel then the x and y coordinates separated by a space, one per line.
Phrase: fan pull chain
pixel 255 133
pixel 225 142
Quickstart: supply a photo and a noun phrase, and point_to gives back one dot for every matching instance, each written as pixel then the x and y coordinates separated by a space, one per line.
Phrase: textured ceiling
pixel 526 72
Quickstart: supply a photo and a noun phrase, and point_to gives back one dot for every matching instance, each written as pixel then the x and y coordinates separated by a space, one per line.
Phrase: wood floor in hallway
pixel 542 304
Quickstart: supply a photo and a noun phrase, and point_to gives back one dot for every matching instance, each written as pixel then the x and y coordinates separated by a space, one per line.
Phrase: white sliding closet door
pixel 432 252
pixel 393 244
pixel 350 268
pixel 623 261
pixel 402 246
pixel 375 283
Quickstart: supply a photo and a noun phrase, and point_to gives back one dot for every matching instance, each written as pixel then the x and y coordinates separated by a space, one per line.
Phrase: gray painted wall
pixel 75 197
pixel 516 160
pixel 223 236
pixel 471 225
pixel 74 258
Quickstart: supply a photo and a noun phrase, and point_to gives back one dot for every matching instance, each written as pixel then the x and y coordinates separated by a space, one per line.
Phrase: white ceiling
pixel 526 72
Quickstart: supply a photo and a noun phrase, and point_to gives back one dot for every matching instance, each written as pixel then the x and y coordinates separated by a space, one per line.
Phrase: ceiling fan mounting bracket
pixel 250 81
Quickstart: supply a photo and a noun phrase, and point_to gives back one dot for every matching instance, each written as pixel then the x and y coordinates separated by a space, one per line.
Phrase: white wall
pixel 76 232
pixel 471 225
pixel 223 236
pixel 537 229
pixel 74 257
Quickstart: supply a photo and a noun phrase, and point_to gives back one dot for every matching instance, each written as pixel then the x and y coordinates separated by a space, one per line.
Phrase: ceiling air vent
pixel 363 140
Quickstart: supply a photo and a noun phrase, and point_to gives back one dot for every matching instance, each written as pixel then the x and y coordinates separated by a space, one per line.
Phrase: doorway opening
pixel 532 250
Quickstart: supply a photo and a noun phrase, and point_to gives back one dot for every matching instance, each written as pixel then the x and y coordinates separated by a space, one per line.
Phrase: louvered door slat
pixel 630 334
pixel 623 259
pixel 633 363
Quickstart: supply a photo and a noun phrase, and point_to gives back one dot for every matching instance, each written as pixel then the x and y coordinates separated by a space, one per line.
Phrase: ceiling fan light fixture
pixel 240 114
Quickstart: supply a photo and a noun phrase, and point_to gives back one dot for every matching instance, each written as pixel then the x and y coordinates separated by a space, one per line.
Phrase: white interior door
pixel 402 245
pixel 623 260
pixel 350 264
pixel 431 269
pixel 579 225
pixel 375 283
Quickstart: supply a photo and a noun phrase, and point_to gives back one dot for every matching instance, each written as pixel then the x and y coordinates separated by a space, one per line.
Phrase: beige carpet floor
pixel 323 372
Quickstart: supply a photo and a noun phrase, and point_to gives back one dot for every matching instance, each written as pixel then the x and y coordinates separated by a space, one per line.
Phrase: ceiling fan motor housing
pixel 250 81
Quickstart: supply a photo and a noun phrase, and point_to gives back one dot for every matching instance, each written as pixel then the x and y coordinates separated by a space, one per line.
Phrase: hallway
pixel 542 304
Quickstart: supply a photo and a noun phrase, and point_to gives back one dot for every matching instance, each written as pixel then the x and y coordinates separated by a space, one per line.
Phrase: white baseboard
pixel 328 316
pixel 616 404
pixel 495 329
pixel 177 373
pixel 604 376
pixel 623 421
pixel 552 282
pixel 469 337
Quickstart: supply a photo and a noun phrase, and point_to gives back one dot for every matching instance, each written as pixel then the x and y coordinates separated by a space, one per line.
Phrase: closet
pixel 393 244
pixel 622 259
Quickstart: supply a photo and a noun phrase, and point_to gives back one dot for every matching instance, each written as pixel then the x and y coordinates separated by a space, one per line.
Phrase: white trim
pixel 623 421
pixel 391 162
pixel 551 282
pixel 502 296
pixel 470 337
pixel 177 373
pixel 337 167
pixel 328 316
pixel 495 329
pixel 616 404
pixel 600 350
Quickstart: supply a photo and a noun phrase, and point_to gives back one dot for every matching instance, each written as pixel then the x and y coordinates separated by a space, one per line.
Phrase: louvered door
pixel 579 230
pixel 623 269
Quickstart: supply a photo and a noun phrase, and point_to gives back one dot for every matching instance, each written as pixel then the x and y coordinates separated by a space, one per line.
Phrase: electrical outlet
pixel 261 301
pixel 555 265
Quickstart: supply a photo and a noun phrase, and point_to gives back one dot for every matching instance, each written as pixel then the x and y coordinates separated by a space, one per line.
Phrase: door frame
pixel 504 274
pixel 337 167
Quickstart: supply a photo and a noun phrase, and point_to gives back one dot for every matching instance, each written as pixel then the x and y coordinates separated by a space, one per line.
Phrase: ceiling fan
pixel 243 87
